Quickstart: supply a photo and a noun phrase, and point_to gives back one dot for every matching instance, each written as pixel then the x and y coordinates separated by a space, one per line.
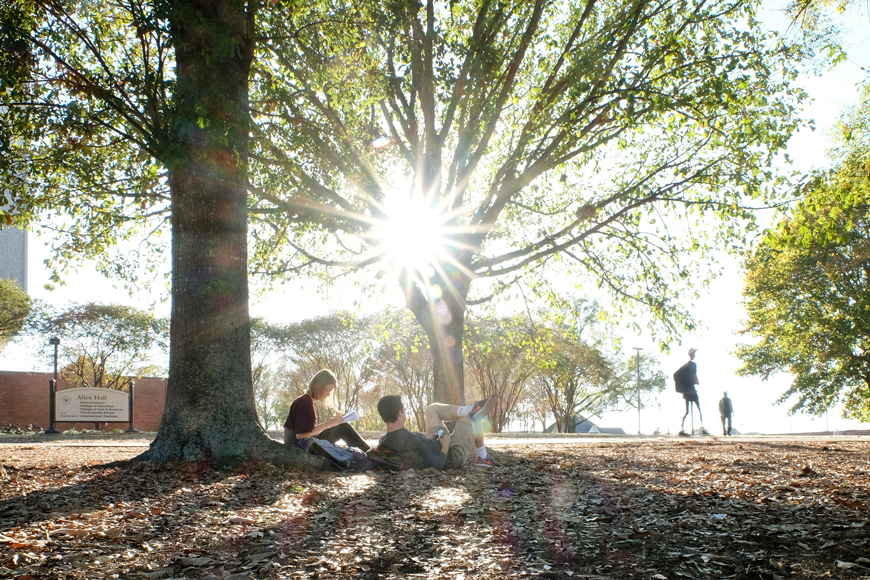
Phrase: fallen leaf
pixel 159 573
pixel 261 556
pixel 194 561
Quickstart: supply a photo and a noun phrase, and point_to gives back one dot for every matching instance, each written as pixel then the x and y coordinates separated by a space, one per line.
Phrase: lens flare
pixel 413 234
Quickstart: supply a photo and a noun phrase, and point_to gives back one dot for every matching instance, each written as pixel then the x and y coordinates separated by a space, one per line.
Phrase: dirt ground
pixel 601 508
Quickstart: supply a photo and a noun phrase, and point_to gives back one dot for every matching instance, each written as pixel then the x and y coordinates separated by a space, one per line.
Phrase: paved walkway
pixel 494 440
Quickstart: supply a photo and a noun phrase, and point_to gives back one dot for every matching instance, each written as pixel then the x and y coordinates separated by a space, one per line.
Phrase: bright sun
pixel 413 235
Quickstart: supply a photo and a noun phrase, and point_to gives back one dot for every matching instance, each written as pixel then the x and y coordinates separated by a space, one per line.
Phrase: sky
pixel 719 311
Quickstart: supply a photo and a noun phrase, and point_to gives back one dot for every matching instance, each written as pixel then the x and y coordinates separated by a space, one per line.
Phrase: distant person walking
pixel 685 380
pixel 726 409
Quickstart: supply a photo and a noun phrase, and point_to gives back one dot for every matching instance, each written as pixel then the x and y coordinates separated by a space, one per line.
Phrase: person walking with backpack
pixel 685 380
pixel 726 409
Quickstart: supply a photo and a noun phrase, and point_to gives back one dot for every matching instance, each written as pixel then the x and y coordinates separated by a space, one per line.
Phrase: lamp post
pixel 52 391
pixel 54 341
pixel 638 349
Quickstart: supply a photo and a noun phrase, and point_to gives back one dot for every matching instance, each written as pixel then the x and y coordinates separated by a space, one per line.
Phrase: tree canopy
pixel 823 24
pixel 104 345
pixel 475 146
pixel 806 293
pixel 15 307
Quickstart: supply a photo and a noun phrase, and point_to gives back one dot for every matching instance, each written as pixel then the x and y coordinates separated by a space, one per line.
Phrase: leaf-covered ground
pixel 593 508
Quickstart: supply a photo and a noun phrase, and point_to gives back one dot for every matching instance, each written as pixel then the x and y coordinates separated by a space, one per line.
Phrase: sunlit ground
pixel 447 498
pixel 586 507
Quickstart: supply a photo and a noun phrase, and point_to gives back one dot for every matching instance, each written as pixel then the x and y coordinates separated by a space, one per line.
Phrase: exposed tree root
pixel 259 447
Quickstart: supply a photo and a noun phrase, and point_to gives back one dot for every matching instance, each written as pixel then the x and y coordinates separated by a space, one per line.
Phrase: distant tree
pixel 267 386
pixel 497 358
pixel 577 374
pixel 534 405
pixel 341 342
pixel 15 307
pixel 576 378
pixel 104 345
pixel 267 371
pixel 807 292
pixel 404 364
pixel 652 380
pixel 291 382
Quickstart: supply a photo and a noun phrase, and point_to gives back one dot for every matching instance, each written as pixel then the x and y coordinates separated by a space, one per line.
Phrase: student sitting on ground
pixel 301 423
pixel 450 450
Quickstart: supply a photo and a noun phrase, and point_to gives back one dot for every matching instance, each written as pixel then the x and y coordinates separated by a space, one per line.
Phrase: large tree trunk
pixel 443 320
pixel 210 410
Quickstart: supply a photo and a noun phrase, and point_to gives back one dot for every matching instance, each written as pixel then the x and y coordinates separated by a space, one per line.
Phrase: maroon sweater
pixel 302 417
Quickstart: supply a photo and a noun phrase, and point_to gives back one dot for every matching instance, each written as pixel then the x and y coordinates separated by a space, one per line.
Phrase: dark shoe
pixel 683 433
pixel 484 462
pixel 479 408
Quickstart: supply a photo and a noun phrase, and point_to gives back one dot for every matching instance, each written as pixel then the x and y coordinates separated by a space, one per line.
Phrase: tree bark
pixel 210 411
pixel 443 320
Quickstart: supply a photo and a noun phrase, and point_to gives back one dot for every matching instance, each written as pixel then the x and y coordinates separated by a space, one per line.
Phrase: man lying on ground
pixel 438 448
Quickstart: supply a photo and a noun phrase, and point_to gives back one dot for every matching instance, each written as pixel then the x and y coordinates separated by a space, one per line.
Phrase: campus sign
pixel 96 405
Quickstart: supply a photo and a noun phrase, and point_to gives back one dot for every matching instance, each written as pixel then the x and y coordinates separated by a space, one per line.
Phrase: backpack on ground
pixel 341 458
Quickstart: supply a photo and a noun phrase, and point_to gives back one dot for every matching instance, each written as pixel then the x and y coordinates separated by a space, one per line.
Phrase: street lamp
pixel 638 349
pixel 52 391
pixel 54 341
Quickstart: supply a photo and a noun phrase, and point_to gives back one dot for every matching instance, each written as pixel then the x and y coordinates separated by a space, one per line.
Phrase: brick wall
pixel 24 401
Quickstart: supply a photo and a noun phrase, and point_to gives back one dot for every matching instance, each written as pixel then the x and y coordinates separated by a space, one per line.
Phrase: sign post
pixel 52 427
pixel 638 349
pixel 131 429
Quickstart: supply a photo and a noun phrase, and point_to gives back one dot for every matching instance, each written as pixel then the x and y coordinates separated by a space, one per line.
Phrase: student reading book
pixel 301 424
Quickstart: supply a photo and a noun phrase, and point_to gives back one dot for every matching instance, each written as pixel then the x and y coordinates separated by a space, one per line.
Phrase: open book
pixel 352 416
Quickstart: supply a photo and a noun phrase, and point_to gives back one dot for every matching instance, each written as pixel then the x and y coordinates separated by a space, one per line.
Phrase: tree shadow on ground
pixel 42 494
pixel 629 510
pixel 830 447
pixel 552 515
